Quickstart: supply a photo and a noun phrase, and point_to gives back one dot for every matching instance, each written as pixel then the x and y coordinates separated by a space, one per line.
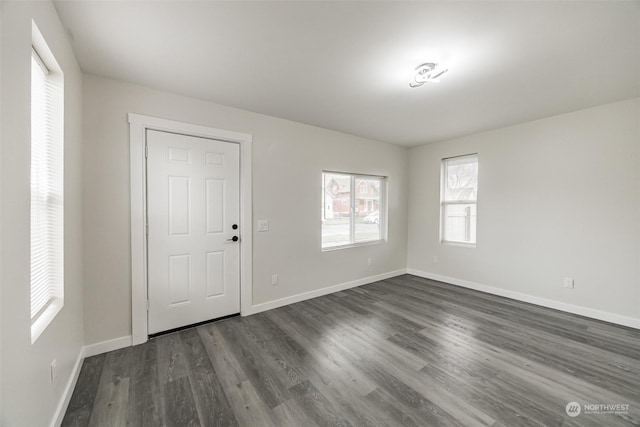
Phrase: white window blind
pixel 47 189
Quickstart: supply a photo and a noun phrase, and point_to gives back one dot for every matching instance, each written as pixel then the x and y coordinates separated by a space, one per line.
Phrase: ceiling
pixel 346 65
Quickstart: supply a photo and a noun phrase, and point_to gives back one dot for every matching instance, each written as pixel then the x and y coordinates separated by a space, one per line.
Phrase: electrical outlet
pixel 569 282
pixel 435 259
pixel 368 261
pixel 263 225
pixel 274 279
pixel 53 372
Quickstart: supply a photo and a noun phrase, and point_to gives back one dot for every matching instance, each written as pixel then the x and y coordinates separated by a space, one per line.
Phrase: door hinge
pixel 146 229
pixel 147 305
pixel 146 150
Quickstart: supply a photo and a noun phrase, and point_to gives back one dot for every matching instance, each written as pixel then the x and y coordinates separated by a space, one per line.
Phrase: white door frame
pixel 138 125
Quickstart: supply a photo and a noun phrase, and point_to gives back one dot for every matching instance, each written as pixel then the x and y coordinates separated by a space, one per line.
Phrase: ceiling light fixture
pixel 427 73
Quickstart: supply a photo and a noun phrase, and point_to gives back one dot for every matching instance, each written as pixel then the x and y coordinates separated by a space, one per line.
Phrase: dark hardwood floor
pixel 404 351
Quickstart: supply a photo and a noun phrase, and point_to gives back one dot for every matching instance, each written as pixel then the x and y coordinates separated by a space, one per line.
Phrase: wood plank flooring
pixel 400 352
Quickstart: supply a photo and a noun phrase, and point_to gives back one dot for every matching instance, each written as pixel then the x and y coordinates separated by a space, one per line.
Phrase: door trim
pixel 138 125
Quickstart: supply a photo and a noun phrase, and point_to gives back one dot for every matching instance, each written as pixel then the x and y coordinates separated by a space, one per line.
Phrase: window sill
pixel 458 244
pixel 353 245
pixel 45 318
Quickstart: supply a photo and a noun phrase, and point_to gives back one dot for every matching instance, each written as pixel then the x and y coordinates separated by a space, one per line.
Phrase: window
pixel 352 217
pixel 47 189
pixel 459 197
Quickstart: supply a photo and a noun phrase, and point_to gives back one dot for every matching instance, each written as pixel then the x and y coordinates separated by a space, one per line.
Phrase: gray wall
pixel 28 398
pixel 558 197
pixel 288 158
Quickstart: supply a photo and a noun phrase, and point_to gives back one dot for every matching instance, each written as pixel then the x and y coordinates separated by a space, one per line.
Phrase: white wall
pixel 1 13
pixel 288 159
pixel 558 197
pixel 28 399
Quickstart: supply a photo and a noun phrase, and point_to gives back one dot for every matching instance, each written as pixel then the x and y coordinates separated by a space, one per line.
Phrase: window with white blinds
pixel 47 195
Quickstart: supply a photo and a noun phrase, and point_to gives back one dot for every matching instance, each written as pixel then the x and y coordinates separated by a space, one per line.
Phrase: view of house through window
pixel 459 195
pixel 352 209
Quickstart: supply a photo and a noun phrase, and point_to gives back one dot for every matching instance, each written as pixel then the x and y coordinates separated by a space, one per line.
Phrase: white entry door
pixel 193 204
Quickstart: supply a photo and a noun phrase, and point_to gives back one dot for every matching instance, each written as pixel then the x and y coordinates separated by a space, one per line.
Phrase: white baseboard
pixel 58 416
pixel 126 341
pixel 86 351
pixel 105 346
pixel 257 308
pixel 543 302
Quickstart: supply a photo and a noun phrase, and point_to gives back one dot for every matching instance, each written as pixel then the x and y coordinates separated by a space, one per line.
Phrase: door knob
pixel 233 239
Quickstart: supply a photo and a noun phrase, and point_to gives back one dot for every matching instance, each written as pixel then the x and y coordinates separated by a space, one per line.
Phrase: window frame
pixel 382 211
pixel 444 203
pixel 52 139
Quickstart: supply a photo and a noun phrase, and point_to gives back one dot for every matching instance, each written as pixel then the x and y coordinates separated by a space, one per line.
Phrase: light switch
pixel 263 225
